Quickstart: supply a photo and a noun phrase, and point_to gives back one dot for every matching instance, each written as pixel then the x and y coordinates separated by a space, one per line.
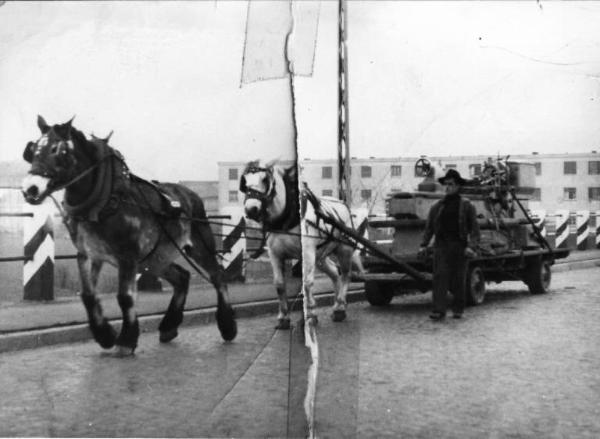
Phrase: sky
pixel 433 78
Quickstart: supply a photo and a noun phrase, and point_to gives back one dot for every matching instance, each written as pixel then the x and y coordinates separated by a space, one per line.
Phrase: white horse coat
pixel 272 199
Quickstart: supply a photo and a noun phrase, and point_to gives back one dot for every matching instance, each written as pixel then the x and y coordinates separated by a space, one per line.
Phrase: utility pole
pixel 344 178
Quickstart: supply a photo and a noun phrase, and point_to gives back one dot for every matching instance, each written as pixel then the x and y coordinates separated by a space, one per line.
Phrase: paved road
pixel 196 386
pixel 517 366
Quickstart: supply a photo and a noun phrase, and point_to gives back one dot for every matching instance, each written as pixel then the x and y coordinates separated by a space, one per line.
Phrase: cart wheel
pixel 379 293
pixel 538 276
pixel 475 286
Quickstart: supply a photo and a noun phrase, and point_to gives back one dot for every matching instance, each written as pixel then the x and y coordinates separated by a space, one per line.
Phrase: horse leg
pixel 329 267
pixel 130 330
pixel 180 279
pixel 204 253
pixel 308 278
pixel 283 317
pixel 345 258
pixel 103 332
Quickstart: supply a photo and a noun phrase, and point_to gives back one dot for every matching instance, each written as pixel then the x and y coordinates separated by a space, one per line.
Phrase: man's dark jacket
pixel 468 227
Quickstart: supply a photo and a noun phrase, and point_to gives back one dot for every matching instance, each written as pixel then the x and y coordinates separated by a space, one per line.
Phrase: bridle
pixel 265 198
pixel 41 170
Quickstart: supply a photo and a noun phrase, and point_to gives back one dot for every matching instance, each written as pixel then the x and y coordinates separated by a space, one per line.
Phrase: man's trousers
pixel 449 267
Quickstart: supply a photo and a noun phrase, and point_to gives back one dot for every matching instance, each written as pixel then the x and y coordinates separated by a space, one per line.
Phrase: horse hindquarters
pixel 204 253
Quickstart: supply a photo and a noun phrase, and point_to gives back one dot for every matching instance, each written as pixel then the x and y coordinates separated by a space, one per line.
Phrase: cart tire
pixel 475 286
pixel 538 277
pixel 379 293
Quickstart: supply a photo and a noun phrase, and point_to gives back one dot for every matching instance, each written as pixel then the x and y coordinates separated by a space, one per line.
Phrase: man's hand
pixel 470 253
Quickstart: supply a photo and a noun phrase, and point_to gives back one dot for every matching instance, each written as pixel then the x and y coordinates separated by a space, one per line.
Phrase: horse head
pixel 258 183
pixel 56 158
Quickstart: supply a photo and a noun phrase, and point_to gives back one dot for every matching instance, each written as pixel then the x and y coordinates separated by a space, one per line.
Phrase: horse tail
pixel 205 253
pixel 203 235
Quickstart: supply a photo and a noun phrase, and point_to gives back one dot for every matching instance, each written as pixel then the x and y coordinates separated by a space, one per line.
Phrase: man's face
pixel 451 186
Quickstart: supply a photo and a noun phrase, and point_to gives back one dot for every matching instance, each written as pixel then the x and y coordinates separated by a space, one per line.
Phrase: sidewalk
pixel 48 322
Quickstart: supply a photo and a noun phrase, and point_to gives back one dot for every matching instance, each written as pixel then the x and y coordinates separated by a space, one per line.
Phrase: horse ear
pixel 243 187
pixel 68 125
pixel 28 153
pixel 42 125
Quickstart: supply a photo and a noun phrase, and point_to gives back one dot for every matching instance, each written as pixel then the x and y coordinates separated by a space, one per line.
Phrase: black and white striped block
pixel 582 222
pixel 234 249
pixel 539 219
pixel 597 229
pixel 38 239
pixel 562 228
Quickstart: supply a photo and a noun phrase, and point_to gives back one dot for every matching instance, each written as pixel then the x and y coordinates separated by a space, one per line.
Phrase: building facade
pixel 568 181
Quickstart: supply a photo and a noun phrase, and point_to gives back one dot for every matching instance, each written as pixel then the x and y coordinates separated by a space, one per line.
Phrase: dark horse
pixel 137 226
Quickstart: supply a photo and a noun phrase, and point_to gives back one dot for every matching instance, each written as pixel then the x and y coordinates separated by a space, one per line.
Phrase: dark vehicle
pixel 511 246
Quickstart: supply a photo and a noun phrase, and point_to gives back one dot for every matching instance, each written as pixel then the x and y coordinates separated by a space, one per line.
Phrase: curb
pixel 36 338
pixel 575 265
pixel 74 333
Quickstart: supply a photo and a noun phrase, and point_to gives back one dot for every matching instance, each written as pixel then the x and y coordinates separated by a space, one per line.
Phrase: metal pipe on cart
pixel 535 228
pixel 373 249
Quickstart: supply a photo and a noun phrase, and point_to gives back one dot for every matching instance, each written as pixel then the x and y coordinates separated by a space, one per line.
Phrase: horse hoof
pixel 105 335
pixel 283 324
pixel 339 315
pixel 226 323
pixel 167 336
pixel 124 351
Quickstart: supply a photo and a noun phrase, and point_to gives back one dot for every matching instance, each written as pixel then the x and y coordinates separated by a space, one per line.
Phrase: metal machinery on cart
pixel 511 246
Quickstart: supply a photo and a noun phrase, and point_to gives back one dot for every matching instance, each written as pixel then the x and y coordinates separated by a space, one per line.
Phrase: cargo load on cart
pixel 511 246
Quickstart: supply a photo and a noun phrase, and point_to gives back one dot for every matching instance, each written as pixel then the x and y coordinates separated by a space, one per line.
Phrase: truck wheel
pixel 538 277
pixel 475 286
pixel 379 293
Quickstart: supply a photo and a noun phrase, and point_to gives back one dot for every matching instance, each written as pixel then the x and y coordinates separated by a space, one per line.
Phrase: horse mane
pixel 251 165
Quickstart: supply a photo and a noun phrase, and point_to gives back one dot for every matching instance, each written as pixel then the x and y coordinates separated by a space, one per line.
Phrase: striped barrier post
pixel 582 220
pixel 539 219
pixel 562 228
pixel 597 229
pixel 38 240
pixel 234 249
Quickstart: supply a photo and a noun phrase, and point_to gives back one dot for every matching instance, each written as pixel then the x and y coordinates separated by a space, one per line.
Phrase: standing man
pixel 453 222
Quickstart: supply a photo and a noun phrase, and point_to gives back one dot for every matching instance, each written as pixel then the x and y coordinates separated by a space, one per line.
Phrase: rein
pixel 84 173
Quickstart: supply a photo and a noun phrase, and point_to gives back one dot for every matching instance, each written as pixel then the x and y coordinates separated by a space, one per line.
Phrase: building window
pixel 569 193
pixel 537 194
pixel 538 168
pixel 396 190
pixel 475 169
pixel 451 166
pixel 326 172
pixel 233 196
pixel 570 168
pixel 365 171
pixel 396 170
pixel 365 194
pixel 594 193
pixel 594 167
pixel 233 173
pixel 327 193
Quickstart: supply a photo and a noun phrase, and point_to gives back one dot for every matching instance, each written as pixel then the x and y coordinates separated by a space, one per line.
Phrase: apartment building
pixel 563 181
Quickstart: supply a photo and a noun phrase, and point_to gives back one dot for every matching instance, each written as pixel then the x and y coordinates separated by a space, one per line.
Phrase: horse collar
pixel 111 176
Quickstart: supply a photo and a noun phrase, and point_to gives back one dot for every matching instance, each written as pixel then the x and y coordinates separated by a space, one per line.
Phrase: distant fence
pixel 36 224
pixel 578 230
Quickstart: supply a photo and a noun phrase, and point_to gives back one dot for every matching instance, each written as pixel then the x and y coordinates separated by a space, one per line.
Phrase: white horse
pixel 272 199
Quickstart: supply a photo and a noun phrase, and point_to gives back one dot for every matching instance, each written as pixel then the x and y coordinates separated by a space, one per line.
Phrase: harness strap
pixel 290 217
